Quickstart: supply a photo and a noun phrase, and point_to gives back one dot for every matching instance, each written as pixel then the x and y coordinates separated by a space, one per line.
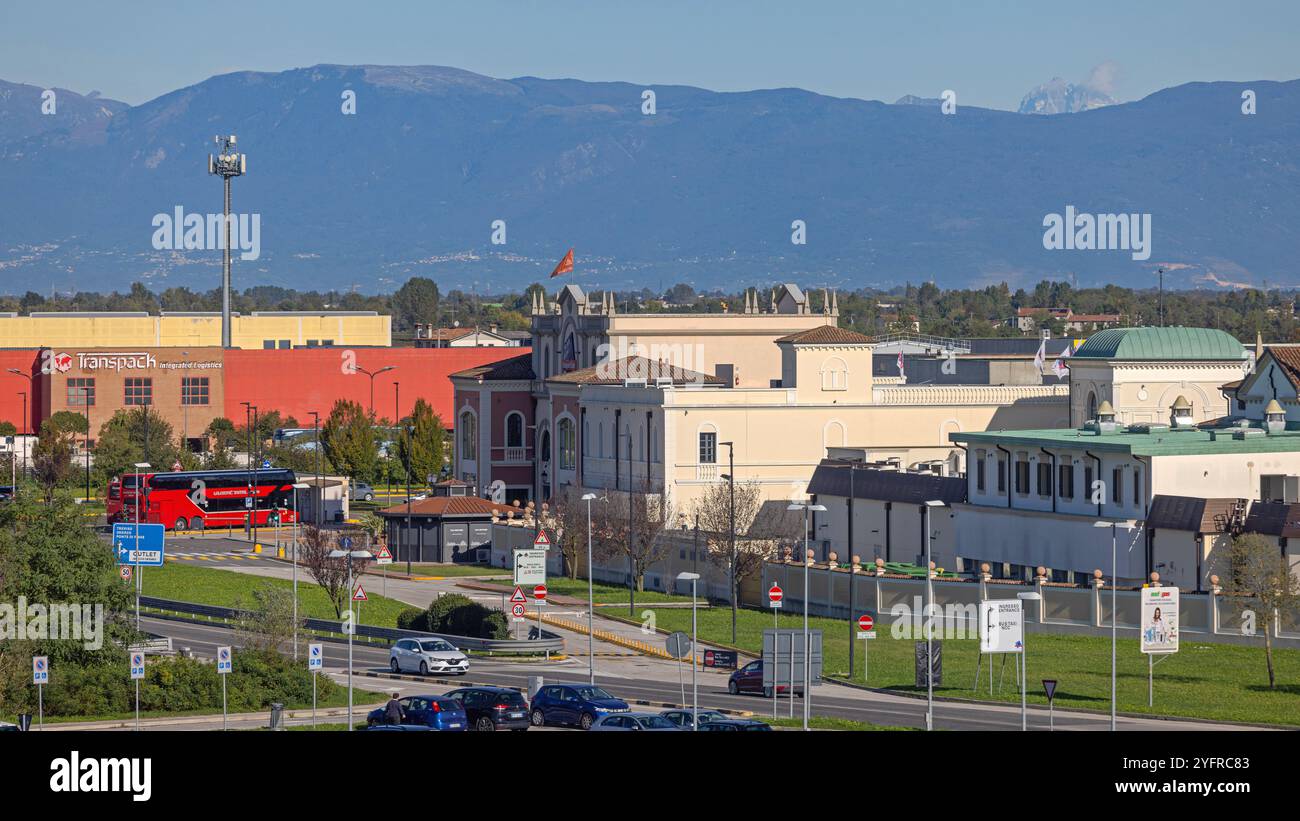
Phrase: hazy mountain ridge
pixel 705 190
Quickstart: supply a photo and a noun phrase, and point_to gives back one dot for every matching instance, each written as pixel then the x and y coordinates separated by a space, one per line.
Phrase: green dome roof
pixel 1161 344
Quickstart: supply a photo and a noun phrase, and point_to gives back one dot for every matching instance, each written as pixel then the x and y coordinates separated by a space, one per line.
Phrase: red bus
pixel 193 500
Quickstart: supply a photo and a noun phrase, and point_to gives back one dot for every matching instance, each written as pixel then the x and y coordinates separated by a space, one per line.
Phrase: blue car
pixel 574 704
pixel 433 712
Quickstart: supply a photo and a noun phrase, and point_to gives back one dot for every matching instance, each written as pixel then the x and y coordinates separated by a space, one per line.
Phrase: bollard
pixel 257 548
pixel 277 715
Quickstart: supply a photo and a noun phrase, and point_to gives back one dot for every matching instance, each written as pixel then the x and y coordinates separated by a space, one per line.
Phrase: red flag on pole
pixel 565 266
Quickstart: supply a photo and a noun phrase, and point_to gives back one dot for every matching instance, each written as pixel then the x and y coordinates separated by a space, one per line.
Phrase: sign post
pixel 866 630
pixel 315 663
pixel 539 598
pixel 1159 630
pixel 384 558
pixel 147 551
pixel 40 677
pixel 137 673
pixel 1002 630
pixel 223 669
pixel 1049 686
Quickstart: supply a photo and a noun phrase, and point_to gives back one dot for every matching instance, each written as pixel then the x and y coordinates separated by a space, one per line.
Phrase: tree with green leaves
pixel 421 444
pixel 416 301
pixel 135 435
pixel 52 457
pixel 1263 589
pixel 349 441
pixel 8 428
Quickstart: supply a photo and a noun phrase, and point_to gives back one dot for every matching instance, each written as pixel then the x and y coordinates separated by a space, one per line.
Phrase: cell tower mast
pixel 228 163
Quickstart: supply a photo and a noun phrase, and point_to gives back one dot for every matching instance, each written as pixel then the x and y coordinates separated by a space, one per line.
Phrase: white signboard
pixel 137 664
pixel 530 567
pixel 1160 620
pixel 1002 626
pixel 315 658
pixel 223 660
pixel 40 669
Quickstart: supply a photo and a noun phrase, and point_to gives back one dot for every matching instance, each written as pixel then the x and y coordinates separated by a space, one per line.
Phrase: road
pixel 654 680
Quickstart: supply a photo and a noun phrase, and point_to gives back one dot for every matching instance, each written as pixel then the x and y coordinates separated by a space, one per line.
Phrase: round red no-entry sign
pixel 539 592
pixel 866 622
pixel 775 594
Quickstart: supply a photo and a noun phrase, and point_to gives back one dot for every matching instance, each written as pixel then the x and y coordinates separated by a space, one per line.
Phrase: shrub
pixel 413 618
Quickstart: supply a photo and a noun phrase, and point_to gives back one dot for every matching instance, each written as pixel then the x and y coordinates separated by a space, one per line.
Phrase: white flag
pixel 1058 367
pixel 1040 358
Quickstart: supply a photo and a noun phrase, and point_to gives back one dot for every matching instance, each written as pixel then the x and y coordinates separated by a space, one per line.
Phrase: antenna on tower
pixel 227 163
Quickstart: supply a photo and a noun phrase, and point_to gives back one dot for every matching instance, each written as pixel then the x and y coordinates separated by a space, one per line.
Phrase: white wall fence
pixel 1213 617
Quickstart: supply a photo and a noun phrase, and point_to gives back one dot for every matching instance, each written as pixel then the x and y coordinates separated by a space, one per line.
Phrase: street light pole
pixel 320 495
pixel 591 599
pixel 31 386
pixel 372 375
pixel 731 519
pixel 807 636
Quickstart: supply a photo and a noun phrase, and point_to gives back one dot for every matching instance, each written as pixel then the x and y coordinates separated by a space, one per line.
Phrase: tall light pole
pixel 352 625
pixel 1024 663
pixel 929 616
pixel 372 375
pixel 807 637
pixel 1114 587
pixel 227 164
pixel 591 599
pixel 694 578
pixel 140 467
pixel 297 486
pixel 31 387
pixel 85 400
pixel 731 519
pixel 318 502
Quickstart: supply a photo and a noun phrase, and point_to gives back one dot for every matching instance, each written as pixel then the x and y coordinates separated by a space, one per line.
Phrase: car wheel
pixel 586 721
pixel 394 666
pixel 484 725
pixel 196 523
pixel 733 688
pixel 538 718
pixel 179 524
pixel 767 692
pixel 370 497
pixel 424 669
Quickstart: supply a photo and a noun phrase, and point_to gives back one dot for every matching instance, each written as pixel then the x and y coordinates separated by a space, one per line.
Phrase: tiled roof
pixel 1274 519
pixel 1189 513
pixel 634 367
pixel 1287 358
pixel 448 506
pixel 514 368
pixel 827 335
pixel 831 478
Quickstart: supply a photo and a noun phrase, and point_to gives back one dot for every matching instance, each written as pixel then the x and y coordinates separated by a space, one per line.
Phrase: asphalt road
pixel 625 681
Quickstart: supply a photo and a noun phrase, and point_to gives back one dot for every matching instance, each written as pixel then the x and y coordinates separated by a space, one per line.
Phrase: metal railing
pixel 548 643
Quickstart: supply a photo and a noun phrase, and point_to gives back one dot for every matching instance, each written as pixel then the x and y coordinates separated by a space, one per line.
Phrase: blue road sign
pixel 223 660
pixel 40 670
pixel 346 542
pixel 266 464
pixel 315 658
pixel 140 544
pixel 137 664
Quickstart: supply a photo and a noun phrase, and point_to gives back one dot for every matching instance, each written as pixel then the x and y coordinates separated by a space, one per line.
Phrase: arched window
pixel 514 430
pixel 600 440
pixel 468 436
pixel 1092 405
pixel 545 440
pixel 568 444
pixel 568 354
pixel 835 375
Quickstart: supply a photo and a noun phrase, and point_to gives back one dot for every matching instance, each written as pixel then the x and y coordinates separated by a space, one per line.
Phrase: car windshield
pixel 655 723
pixel 435 646
pixel 591 693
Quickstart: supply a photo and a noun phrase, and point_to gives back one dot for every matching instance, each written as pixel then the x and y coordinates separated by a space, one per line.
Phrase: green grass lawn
pixel 604 593
pixel 1202 680
pixel 827 723
pixel 361 700
pixel 225 588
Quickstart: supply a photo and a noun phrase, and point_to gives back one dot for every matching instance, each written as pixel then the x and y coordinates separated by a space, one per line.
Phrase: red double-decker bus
pixel 193 500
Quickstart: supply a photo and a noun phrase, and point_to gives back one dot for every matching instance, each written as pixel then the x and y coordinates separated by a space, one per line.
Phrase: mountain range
pixel 704 190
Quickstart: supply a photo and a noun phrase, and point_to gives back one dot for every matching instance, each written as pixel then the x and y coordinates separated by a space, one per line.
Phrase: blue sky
pixel 990 52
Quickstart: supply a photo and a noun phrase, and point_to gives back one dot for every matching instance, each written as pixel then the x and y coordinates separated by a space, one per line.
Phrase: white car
pixel 425 656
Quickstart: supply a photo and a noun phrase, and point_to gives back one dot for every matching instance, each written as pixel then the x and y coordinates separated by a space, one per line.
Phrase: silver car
pixel 635 722
pixel 425 656
pixel 683 719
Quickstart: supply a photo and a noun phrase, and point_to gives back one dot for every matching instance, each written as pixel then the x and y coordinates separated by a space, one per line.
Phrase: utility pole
pixel 731 520
pixel 227 164
pixel 320 493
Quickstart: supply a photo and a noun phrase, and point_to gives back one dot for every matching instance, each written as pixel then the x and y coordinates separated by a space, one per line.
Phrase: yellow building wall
pixel 194 331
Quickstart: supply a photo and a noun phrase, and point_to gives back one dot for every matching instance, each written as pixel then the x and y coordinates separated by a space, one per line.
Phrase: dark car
pixel 399 728
pixel 433 712
pixel 749 679
pixel 734 725
pixel 492 708
pixel 574 704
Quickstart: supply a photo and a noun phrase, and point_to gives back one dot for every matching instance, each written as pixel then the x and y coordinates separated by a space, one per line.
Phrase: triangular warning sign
pixel 518 596
pixel 383 553
pixel 360 595
pixel 541 540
